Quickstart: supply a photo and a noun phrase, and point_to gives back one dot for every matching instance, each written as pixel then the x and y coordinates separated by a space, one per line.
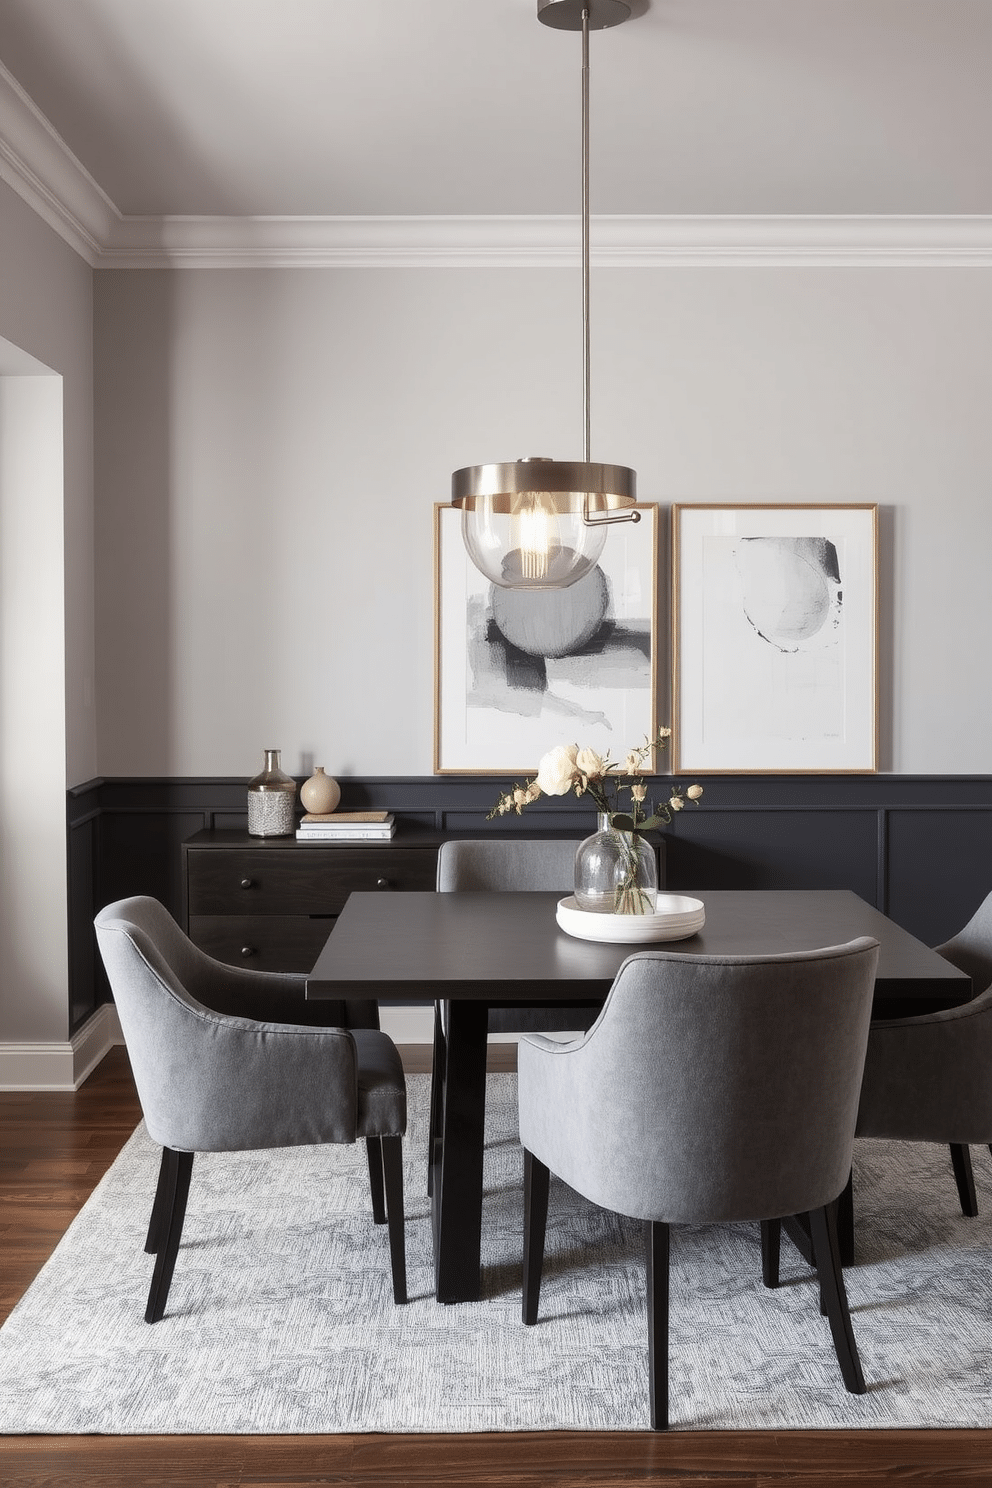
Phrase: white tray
pixel 676 918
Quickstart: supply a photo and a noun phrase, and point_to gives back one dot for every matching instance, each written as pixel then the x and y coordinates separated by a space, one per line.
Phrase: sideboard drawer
pixel 311 879
pixel 263 942
pixel 271 904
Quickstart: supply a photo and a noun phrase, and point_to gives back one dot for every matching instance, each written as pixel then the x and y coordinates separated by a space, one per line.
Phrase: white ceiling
pixel 377 107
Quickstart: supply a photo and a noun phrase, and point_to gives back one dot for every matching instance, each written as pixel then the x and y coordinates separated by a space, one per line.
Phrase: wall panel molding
pixel 918 847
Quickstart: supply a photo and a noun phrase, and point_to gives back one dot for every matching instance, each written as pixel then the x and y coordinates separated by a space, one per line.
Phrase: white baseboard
pixel 58 1066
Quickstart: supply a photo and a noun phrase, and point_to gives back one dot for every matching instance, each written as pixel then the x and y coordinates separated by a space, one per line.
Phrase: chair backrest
pixel 207 1080
pixel 711 1088
pixel 507 864
pixel 971 949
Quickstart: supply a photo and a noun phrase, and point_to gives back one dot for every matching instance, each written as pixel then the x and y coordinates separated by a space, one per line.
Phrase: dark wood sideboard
pixel 271 902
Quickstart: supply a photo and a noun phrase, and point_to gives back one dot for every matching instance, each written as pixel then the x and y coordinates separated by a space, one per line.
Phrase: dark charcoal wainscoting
pixel 919 847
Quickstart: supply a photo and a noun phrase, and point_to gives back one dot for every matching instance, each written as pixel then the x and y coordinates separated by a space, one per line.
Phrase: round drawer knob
pixel 247 883
pixel 382 883
pixel 248 951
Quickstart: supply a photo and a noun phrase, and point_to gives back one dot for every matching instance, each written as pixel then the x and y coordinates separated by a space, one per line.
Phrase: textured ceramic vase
pixel 272 800
pixel 616 872
pixel 320 794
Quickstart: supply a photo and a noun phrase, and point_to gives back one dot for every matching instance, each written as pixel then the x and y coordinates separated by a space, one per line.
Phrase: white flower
pixel 586 771
pixel 590 764
pixel 557 771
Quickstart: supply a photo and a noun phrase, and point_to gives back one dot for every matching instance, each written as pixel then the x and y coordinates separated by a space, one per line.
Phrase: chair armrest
pixel 222 1084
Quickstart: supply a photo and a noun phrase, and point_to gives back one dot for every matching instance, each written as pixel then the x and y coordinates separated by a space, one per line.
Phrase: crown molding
pixel 36 163
pixel 626 242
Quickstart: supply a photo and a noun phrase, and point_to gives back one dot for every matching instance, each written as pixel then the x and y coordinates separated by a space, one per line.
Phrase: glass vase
pixel 616 872
pixel 272 800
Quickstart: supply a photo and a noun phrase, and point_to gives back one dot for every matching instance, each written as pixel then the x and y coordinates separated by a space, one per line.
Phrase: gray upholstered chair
pixel 515 865
pixel 711 1089
pixel 497 864
pixel 929 1078
pixel 224 1061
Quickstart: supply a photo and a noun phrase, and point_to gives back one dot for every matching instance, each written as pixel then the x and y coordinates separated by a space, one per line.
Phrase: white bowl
pixel 675 918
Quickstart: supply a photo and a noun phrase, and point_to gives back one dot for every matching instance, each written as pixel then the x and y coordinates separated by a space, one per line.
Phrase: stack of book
pixel 347 826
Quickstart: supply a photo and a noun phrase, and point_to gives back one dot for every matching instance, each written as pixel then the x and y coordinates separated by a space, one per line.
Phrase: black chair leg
pixel 158 1222
pixel 438 1067
pixel 537 1181
pixel 845 1222
pixel 656 1236
pixel 964 1178
pixel 374 1153
pixel 771 1248
pixel 392 1169
pixel 174 1176
pixel 833 1295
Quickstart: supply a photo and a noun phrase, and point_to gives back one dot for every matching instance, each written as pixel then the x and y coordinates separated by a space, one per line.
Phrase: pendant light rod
pixel 586 358
pixel 538 523
pixel 602 519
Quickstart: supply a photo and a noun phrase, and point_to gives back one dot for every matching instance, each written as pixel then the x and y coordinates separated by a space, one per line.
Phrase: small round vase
pixel 320 794
pixel 272 800
pixel 616 872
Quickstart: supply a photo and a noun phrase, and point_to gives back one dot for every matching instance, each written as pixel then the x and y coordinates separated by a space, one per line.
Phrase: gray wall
pixel 252 566
pixel 47 710
pixel 270 443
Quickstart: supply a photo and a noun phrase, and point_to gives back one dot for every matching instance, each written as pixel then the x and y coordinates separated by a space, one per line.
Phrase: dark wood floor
pixel 54 1149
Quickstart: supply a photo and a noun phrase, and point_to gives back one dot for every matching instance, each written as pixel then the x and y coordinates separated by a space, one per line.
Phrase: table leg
pixel 456 1199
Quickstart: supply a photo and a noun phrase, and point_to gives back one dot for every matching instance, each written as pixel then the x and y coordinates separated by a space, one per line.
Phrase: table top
pixel 502 948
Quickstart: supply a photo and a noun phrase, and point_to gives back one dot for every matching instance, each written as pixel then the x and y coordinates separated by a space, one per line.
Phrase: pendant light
pixel 539 523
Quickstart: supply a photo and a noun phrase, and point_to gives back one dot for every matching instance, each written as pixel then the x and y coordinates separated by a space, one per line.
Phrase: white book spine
pixel 307 836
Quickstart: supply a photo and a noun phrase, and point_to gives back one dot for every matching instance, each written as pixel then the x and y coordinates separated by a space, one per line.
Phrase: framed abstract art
pixel 519 671
pixel 775 638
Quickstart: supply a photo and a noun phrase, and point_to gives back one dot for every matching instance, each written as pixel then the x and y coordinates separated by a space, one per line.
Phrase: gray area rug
pixel 281 1316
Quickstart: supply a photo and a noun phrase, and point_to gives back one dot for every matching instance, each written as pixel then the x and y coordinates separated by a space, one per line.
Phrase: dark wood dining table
pixel 475 951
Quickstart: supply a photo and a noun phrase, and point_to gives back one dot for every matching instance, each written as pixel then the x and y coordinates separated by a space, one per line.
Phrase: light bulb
pixel 534 534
